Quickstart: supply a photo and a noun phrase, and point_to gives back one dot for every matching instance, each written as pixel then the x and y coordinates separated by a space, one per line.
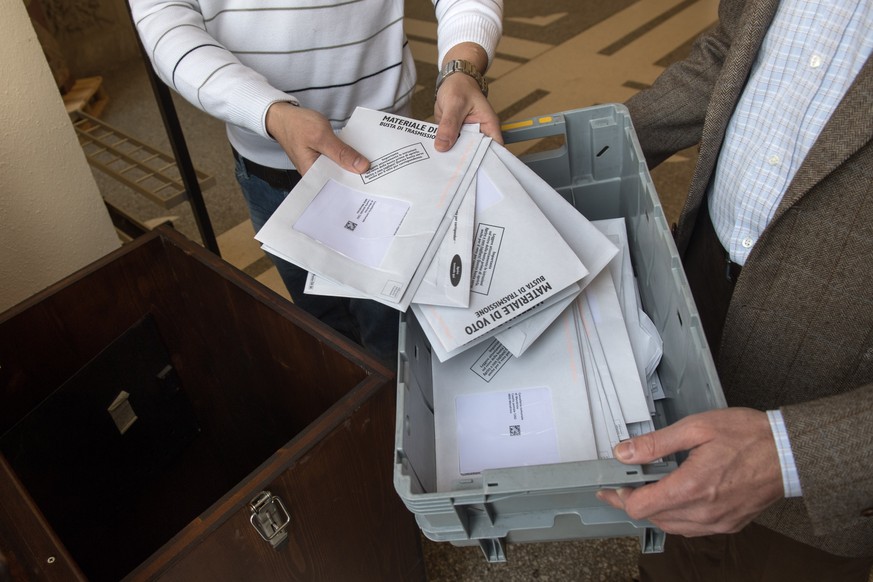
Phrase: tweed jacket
pixel 798 334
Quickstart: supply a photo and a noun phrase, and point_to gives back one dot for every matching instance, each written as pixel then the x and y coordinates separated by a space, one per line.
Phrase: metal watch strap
pixel 461 66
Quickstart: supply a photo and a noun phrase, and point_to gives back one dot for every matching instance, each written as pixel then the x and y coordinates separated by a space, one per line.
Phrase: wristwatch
pixel 461 66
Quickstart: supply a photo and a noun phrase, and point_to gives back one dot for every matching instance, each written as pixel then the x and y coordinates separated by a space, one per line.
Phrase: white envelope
pixel 507 428
pixel 606 425
pixel 519 260
pixel 603 395
pixel 551 370
pixel 379 231
pixel 604 324
pixel 318 285
pixel 544 309
pixel 644 337
pixel 593 248
pixel 447 278
pixel 517 338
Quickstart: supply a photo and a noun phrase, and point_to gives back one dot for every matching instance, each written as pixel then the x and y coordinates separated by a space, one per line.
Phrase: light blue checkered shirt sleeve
pixel 810 56
pixel 790 477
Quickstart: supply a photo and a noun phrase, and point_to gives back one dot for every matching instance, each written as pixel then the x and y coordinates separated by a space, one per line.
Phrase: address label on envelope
pixel 358 225
pixel 506 429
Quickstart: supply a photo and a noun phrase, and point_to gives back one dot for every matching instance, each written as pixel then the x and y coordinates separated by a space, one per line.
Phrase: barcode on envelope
pixel 514 430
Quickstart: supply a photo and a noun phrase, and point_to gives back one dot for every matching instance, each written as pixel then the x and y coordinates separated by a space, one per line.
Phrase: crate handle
pixel 533 128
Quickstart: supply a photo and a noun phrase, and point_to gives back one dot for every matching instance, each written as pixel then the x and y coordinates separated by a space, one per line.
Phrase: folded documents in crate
pixel 594 248
pixel 376 232
pixel 481 247
pixel 600 171
pixel 519 330
pixel 580 379
pixel 643 334
pixel 520 261
pixel 590 246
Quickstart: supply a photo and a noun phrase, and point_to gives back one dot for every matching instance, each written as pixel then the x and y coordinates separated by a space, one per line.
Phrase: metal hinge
pixel 269 517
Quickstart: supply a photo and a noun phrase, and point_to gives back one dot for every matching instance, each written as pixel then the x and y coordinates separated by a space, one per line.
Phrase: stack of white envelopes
pixel 378 232
pixel 545 354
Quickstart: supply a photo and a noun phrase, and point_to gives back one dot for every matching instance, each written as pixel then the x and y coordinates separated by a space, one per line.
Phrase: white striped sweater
pixel 234 58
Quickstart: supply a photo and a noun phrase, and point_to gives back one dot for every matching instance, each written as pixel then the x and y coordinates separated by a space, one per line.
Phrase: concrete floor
pixel 555 56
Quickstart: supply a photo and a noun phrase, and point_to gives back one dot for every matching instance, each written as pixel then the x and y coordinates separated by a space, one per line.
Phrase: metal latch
pixel 269 517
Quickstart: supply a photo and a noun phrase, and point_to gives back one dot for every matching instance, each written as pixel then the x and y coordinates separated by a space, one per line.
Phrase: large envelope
pixel 644 337
pixel 379 231
pixel 610 333
pixel 518 338
pixel 519 261
pixel 447 278
pixel 522 327
pixel 610 426
pixel 494 410
pixel 593 248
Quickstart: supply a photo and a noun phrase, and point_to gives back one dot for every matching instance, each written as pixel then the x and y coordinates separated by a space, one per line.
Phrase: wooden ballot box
pixel 164 416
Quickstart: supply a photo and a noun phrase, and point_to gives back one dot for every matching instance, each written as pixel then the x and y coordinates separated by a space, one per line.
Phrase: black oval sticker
pixel 455 271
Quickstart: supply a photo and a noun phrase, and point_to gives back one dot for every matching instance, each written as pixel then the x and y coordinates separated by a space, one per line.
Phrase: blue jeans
pixel 369 323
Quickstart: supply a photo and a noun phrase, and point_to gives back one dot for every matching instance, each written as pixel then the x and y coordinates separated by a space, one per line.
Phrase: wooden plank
pixel 87 95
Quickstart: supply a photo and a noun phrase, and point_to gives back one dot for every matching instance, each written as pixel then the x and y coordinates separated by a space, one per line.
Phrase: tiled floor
pixel 555 56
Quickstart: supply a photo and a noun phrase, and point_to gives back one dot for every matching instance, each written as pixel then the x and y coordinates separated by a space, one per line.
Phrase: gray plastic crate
pixel 600 169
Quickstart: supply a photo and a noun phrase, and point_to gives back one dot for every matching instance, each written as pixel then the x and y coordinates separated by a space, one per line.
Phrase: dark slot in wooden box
pixel 234 391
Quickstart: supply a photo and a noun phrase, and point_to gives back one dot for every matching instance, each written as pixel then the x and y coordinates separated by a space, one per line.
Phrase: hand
pixel 305 134
pixel 459 101
pixel 731 475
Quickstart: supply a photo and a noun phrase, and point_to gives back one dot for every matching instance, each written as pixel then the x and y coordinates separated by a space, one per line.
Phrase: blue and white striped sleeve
pixel 790 476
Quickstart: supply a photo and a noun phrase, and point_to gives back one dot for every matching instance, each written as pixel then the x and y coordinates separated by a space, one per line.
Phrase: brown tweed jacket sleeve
pixel 799 331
